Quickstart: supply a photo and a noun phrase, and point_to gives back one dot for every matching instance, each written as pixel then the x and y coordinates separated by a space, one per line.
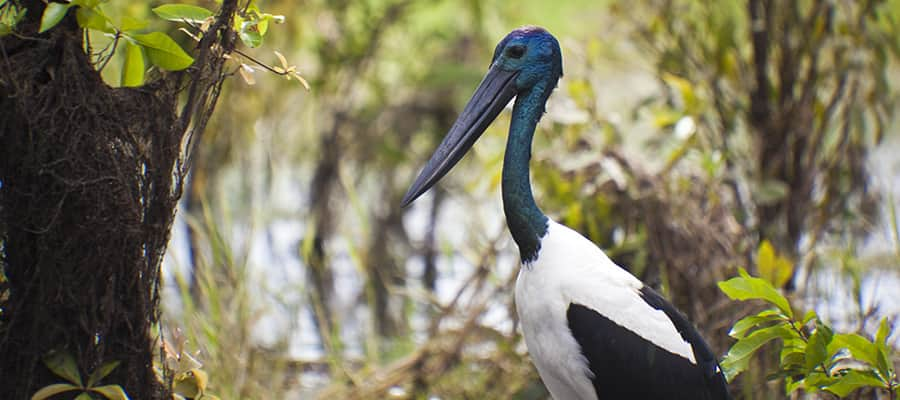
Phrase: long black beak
pixel 495 91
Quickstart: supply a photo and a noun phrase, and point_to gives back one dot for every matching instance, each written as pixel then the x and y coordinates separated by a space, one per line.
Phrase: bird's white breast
pixel 571 269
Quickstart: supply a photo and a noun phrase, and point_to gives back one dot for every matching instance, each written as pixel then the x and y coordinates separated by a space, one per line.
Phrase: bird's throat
pixel 526 222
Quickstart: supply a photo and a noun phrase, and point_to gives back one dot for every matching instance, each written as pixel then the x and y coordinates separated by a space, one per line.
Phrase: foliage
pixel 792 95
pixel 160 48
pixel 145 46
pixel 812 357
pixel 10 16
pixel 63 365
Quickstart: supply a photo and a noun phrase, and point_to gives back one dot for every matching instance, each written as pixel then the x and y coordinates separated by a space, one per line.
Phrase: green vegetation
pixel 687 138
pixel 63 365
pixel 812 357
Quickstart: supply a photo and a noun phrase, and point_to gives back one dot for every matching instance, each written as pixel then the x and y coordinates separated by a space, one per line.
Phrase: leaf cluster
pixel 812 357
pixel 63 365
pixel 144 46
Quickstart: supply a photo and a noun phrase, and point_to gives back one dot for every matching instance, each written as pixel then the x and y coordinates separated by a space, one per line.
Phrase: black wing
pixel 627 366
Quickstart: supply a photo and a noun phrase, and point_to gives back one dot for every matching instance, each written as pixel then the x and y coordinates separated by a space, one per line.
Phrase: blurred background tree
pixel 683 134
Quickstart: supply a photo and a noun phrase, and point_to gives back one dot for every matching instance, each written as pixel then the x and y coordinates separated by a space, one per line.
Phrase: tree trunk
pixel 89 179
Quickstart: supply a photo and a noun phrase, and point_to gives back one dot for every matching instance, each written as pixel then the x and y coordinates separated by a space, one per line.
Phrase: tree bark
pixel 89 179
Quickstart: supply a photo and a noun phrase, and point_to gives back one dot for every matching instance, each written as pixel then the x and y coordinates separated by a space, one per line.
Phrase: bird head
pixel 533 54
pixel 527 58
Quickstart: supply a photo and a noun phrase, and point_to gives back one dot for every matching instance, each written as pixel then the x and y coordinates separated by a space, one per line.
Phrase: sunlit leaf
pixel 50 390
pixel 262 26
pixel 884 363
pixel 133 69
pixel 182 12
pixel 860 348
pixel 249 34
pixel 745 324
pixel 52 15
pixel 852 380
pixel 774 268
pixel 93 18
pixel 809 316
pixel 817 347
pixel 746 287
pixel 163 51
pixel 737 359
pixel 793 359
pixel 817 380
pixel 132 24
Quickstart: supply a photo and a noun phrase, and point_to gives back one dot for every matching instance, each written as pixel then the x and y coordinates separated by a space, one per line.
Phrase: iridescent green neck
pixel 525 220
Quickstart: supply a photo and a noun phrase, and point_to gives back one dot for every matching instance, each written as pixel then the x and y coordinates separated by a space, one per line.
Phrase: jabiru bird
pixel 592 329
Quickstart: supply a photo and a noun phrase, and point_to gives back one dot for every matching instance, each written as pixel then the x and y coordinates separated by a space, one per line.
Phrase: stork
pixel 592 329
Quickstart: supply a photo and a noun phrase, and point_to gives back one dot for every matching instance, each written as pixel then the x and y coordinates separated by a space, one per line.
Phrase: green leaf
pixel 741 327
pixel 112 392
pixel 250 34
pixel 884 364
pixel 793 359
pixel 884 329
pixel 93 18
pixel 163 51
pixel 52 15
pixel 746 287
pixel 63 365
pixel 130 24
pixel 809 316
pixel 50 390
pixel 84 396
pixel 102 372
pixel 86 3
pixel 773 268
pixel 817 347
pixel 10 18
pixel 133 69
pixel 816 380
pixel 791 385
pixel 182 12
pixel 860 348
pixel 853 380
pixel 737 359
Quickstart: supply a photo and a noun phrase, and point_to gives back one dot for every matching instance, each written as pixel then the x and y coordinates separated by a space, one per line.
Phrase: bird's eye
pixel 515 51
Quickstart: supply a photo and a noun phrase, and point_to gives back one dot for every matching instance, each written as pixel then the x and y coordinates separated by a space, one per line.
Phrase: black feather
pixel 627 366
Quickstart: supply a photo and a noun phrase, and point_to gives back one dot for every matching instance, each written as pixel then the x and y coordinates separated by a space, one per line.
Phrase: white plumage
pixel 572 269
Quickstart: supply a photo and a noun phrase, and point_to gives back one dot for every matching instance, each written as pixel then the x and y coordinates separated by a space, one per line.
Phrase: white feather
pixel 572 269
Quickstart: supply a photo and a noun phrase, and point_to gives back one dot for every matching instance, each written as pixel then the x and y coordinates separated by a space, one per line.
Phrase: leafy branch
pixel 157 48
pixel 812 357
